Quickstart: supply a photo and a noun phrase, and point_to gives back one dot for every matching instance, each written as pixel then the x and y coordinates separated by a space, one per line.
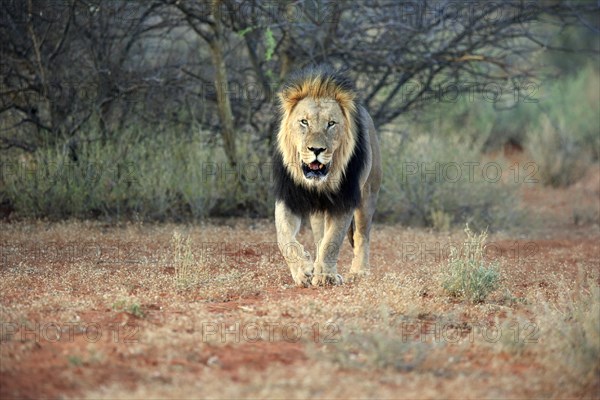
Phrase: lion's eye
pixel 331 123
pixel 304 122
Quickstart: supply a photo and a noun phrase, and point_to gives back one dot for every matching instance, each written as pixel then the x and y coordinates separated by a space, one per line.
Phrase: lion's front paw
pixel 327 279
pixel 302 278
pixel 355 276
pixel 303 274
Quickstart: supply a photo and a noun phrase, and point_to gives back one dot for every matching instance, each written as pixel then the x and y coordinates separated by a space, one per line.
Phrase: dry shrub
pixel 467 274
pixel 570 334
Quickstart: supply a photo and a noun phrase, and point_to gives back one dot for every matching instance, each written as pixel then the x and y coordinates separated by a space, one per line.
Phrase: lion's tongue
pixel 314 165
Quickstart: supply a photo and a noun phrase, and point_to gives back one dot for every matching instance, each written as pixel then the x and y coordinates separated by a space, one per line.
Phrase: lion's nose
pixel 317 151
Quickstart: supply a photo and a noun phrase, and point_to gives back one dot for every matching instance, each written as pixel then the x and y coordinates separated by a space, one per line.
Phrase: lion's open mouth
pixel 315 170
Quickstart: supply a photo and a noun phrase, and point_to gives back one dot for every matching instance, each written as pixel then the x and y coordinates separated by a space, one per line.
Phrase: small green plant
pixel 270 44
pixel 75 361
pixel 467 274
pixel 92 356
pixel 134 308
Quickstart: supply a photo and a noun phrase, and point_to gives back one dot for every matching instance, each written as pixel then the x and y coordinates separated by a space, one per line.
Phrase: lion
pixel 327 167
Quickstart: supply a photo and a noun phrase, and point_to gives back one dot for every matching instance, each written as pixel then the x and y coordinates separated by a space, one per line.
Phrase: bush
pixel 467 275
pixel 138 177
pixel 566 136
pixel 565 107
pixel 439 182
pixel 559 157
pixel 177 175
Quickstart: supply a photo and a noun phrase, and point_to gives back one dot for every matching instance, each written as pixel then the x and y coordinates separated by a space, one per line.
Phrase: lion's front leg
pixel 325 272
pixel 299 260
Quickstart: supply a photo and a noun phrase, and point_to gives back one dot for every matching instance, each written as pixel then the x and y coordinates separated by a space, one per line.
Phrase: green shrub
pixel 467 275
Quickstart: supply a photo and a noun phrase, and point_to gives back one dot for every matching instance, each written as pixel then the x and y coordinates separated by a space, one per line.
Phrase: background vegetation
pixel 165 109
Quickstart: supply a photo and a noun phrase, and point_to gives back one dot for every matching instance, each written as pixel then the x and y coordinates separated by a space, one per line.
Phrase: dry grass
pixel 188 271
pixel 572 342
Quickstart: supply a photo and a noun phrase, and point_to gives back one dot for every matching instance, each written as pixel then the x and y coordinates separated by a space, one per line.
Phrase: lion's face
pixel 318 131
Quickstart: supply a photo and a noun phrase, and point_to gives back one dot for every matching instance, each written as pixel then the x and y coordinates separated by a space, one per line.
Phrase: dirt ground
pixel 101 311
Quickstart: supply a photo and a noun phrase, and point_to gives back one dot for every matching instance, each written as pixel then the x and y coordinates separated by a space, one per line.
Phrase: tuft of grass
pixel 216 282
pixel 467 274
pixel 441 220
pixel 376 350
pixel 187 271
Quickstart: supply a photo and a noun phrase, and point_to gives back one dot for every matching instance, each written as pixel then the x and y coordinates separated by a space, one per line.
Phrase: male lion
pixel 327 166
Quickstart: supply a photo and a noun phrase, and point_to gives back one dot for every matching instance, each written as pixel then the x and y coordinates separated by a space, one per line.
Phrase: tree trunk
pixel 222 88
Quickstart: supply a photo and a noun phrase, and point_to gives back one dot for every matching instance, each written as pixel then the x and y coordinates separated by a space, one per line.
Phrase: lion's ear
pixel 288 101
pixel 347 102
